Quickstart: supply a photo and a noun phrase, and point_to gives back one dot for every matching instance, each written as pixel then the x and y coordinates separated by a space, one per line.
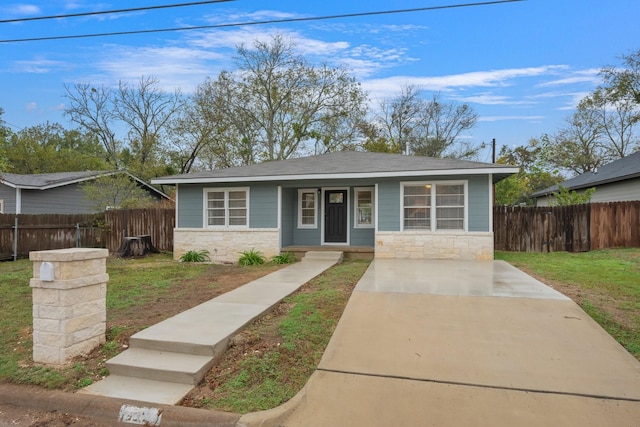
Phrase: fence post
pixel 15 239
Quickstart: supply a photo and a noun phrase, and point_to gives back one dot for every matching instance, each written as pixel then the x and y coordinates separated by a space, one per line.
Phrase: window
pixel 307 208
pixel 364 207
pixel 1 206
pixel 433 206
pixel 227 207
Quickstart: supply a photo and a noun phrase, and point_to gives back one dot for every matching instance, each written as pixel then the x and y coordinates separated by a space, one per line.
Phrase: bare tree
pixel 92 109
pixel 408 123
pixel 146 110
pixel 143 111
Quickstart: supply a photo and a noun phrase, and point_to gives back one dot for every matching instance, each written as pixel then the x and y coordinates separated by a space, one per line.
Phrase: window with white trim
pixel 363 206
pixel 226 207
pixel 433 206
pixel 307 208
pixel 1 206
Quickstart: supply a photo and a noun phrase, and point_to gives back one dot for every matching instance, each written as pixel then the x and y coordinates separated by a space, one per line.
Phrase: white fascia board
pixel 73 181
pixel 314 177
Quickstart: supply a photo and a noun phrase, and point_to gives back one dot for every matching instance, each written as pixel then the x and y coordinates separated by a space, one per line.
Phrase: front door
pixel 335 216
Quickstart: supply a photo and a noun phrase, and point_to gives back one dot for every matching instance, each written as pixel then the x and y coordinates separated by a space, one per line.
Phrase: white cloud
pixel 38 66
pixel 574 77
pixel 31 106
pixel 22 9
pixel 489 99
pixel 536 119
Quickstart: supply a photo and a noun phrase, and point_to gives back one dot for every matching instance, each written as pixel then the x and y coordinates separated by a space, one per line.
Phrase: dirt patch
pixel 11 415
pixel 122 323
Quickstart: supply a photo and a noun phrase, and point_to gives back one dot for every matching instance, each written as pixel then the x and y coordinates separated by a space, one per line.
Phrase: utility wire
pixel 104 12
pixel 272 21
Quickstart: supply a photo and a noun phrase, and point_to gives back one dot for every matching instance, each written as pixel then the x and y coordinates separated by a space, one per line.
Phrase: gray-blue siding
pixel 263 204
pixel 263 207
pixel 68 199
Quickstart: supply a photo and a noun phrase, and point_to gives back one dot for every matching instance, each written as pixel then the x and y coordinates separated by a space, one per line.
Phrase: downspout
pixel 18 201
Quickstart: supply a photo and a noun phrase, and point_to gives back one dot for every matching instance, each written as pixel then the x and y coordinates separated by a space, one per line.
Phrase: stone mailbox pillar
pixel 69 303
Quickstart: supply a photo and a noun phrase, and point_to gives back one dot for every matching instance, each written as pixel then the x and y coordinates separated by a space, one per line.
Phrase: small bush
pixel 251 257
pixel 283 258
pixel 195 256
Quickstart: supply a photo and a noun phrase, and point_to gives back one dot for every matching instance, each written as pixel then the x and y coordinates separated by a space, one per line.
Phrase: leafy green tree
pixel 116 191
pixel 535 173
pixel 277 105
pixel 50 148
pixel 4 134
pixel 565 197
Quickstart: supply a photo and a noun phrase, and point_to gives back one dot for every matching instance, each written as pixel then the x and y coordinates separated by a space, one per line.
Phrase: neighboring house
pixel 400 206
pixel 617 181
pixel 54 192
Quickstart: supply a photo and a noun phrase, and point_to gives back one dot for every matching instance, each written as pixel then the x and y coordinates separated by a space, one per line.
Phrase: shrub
pixel 251 257
pixel 283 258
pixel 195 256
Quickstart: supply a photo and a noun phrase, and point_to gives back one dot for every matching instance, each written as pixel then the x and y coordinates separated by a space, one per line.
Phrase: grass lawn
pixel 267 364
pixel 605 283
pixel 140 293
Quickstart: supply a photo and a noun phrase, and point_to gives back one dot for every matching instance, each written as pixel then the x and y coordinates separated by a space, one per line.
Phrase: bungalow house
pixel 617 181
pixel 59 193
pixel 398 206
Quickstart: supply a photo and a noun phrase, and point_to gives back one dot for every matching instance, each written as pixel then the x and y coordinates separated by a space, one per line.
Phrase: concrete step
pixel 139 389
pixel 160 366
pixel 324 256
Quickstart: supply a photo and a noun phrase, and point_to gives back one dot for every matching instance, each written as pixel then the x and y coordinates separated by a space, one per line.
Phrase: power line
pixel 104 12
pixel 272 21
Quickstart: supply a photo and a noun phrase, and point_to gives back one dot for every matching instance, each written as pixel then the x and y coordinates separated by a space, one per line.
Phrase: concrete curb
pixel 106 409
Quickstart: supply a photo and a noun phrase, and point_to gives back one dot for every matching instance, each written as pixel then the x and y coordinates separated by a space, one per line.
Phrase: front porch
pixel 350 252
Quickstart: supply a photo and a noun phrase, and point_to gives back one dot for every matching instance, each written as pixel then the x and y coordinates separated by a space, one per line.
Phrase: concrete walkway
pixel 166 360
pixel 455 343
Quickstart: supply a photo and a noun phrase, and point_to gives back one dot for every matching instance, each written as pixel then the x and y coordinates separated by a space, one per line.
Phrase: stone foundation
pixel 69 303
pixel 226 245
pixel 420 245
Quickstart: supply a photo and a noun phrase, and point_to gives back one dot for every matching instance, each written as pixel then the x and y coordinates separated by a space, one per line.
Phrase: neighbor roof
pixel 45 181
pixel 343 164
pixel 619 170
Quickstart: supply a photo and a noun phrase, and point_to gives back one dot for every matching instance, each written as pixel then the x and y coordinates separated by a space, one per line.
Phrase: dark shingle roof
pixel 344 163
pixel 619 170
pixel 49 180
pixel 44 181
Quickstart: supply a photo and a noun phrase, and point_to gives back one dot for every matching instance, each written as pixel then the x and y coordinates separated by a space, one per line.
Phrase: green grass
pixel 606 284
pixel 268 378
pixel 131 282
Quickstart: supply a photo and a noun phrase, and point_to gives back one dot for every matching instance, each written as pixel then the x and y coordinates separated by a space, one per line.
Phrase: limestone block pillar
pixel 69 303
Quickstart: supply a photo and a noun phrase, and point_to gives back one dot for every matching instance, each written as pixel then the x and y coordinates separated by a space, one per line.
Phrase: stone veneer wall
pixel 420 245
pixel 226 245
pixel 69 309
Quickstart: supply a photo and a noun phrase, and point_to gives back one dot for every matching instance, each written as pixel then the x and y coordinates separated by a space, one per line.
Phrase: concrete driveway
pixel 457 343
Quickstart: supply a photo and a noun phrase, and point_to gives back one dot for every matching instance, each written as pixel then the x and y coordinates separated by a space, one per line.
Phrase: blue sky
pixel 522 66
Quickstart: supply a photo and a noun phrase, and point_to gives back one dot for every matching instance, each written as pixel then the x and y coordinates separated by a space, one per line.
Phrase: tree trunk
pixel 136 246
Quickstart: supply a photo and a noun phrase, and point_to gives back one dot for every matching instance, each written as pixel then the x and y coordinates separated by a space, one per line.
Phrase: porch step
pixel 335 256
pixel 160 365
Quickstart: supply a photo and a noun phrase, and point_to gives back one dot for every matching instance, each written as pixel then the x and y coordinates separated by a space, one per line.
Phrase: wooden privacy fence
pixel 576 228
pixel 42 232
pixel 157 223
pixel 104 230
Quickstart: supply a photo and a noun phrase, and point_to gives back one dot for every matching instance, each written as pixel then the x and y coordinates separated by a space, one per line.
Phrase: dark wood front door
pixel 335 216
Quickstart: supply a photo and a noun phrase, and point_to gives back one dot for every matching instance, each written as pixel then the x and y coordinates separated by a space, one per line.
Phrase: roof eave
pixel 309 177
